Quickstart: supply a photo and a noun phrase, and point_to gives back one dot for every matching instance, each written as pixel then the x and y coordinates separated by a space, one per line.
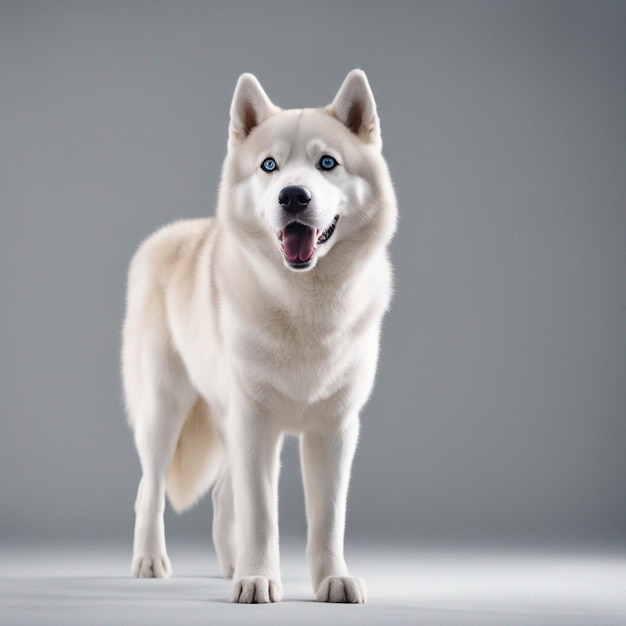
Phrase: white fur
pixel 226 346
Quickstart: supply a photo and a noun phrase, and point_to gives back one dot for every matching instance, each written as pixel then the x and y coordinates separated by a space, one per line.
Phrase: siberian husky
pixel 261 321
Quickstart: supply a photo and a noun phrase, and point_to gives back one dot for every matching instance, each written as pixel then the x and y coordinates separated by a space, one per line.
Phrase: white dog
pixel 262 321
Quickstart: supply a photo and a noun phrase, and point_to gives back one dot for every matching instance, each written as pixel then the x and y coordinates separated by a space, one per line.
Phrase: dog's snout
pixel 294 198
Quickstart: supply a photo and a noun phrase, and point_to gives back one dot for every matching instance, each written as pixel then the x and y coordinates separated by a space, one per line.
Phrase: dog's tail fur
pixel 197 460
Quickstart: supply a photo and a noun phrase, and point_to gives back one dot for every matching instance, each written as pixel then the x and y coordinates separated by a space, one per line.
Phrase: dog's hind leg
pixel 166 399
pixel 224 522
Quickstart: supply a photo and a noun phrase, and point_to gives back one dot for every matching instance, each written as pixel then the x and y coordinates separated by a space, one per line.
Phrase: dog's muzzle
pixel 299 241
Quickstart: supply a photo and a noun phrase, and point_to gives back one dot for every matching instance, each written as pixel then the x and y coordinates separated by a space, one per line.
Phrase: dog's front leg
pixel 254 449
pixel 326 462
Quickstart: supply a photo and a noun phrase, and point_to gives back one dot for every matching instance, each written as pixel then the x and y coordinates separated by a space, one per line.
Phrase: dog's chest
pixel 305 356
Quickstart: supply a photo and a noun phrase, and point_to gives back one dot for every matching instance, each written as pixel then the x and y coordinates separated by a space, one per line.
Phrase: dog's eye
pixel 327 163
pixel 269 165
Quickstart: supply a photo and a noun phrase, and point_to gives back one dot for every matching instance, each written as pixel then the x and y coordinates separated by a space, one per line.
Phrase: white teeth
pixel 328 232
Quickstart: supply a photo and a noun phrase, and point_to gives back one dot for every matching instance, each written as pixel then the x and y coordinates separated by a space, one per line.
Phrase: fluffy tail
pixel 197 459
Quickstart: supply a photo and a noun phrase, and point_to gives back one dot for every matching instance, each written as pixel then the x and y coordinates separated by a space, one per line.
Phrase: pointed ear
pixel 354 106
pixel 250 107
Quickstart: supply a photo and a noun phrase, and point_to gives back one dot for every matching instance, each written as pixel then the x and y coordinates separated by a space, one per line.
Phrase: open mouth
pixel 299 242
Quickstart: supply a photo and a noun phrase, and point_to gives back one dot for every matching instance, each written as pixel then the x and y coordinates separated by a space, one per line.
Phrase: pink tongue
pixel 298 242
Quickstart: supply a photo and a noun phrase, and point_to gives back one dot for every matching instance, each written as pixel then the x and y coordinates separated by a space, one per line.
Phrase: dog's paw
pixel 151 566
pixel 341 589
pixel 256 590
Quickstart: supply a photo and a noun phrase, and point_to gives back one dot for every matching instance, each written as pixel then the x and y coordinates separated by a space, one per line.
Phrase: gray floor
pixel 406 586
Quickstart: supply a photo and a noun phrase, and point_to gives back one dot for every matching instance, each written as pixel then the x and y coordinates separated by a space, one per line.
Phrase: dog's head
pixel 308 182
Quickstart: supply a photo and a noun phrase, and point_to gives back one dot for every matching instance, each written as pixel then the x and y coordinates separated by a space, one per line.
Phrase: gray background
pixel 499 410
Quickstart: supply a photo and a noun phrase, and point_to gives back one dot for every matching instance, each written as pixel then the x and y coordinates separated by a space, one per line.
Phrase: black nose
pixel 294 198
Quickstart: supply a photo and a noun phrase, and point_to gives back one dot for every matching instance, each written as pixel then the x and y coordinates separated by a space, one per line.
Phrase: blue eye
pixel 327 163
pixel 269 165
